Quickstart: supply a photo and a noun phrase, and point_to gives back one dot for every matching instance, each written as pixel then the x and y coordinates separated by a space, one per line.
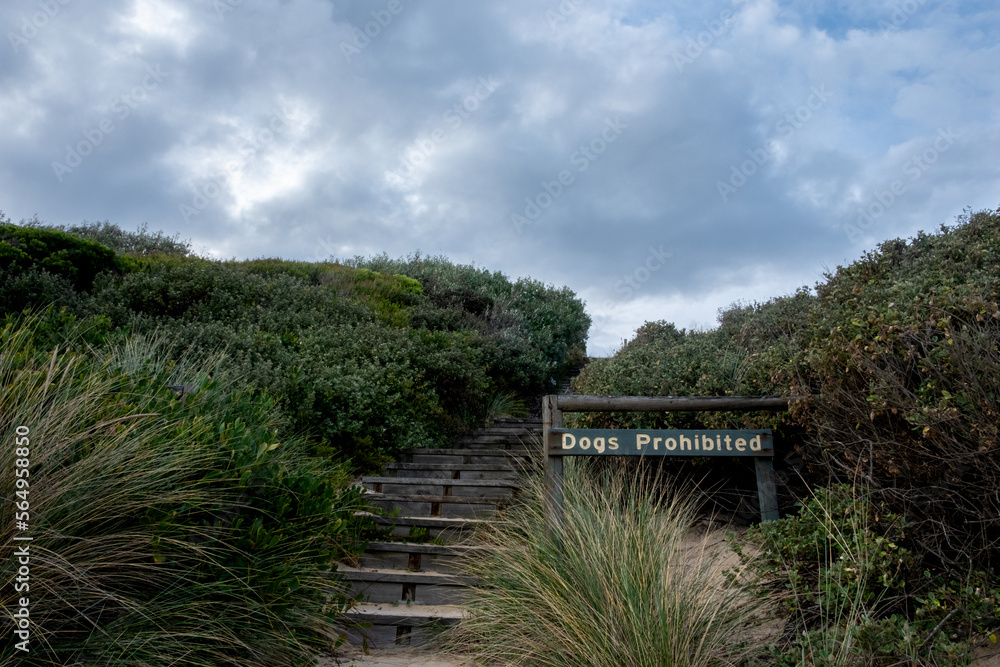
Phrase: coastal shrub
pixel 904 363
pixel 363 358
pixel 141 242
pixel 852 594
pixel 531 330
pixel 897 357
pixel 78 261
pixel 166 529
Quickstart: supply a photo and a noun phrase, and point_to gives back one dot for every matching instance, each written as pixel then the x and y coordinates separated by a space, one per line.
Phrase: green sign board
pixel 658 442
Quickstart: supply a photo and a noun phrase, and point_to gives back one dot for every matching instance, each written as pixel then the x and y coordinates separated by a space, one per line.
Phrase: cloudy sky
pixel 663 160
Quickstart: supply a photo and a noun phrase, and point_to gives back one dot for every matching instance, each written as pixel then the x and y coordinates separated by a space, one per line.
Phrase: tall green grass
pixel 166 530
pixel 624 582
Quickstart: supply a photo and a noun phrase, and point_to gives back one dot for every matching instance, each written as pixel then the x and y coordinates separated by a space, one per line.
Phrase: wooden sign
pixel 656 442
pixel 559 442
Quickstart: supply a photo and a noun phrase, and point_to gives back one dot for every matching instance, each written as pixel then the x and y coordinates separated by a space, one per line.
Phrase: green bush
pixel 897 355
pixel 854 596
pixel 79 261
pixel 166 529
pixel 141 242
pixel 530 330
pixel 903 364
pixel 363 359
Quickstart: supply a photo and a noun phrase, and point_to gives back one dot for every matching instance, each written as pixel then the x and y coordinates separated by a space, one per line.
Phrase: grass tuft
pixel 629 585
pixel 166 530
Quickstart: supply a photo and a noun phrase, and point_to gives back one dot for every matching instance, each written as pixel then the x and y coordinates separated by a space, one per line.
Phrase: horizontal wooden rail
pixel 574 403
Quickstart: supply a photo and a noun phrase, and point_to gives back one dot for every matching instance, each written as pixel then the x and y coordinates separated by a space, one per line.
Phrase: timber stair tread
pixel 427 548
pixel 427 521
pixel 443 481
pixel 404 576
pixel 461 467
pixel 465 451
pixel 465 500
pixel 491 436
pixel 367 611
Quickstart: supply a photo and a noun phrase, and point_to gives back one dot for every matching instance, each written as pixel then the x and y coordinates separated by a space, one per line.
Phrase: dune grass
pixel 166 530
pixel 624 582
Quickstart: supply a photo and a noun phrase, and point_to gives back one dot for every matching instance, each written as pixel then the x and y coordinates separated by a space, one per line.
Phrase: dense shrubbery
pixel 898 356
pixel 841 572
pixel 365 358
pixel 200 529
pixel 166 529
pixel 533 332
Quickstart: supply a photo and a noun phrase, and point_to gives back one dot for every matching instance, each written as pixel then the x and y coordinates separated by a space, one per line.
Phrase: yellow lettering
pixel 569 441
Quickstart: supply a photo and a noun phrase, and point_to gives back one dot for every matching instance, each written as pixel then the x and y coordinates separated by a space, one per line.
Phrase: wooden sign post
pixel 559 442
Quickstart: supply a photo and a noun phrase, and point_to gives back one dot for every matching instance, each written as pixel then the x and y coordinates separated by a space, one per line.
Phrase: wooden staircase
pixel 433 500
pixel 566 387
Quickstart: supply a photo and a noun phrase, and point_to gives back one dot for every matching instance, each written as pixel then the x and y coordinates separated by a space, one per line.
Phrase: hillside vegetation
pixel 364 357
pixel 187 430
pixel 897 356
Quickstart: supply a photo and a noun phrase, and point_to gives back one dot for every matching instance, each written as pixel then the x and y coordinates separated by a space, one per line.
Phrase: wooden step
pixel 452 470
pixel 436 506
pixel 511 423
pixel 451 530
pixel 498 442
pixel 463 455
pixel 386 625
pixel 509 433
pixel 431 486
pixel 417 557
pixel 388 585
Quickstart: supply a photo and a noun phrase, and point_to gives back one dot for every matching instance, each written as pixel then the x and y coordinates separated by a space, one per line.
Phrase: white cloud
pixel 159 20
